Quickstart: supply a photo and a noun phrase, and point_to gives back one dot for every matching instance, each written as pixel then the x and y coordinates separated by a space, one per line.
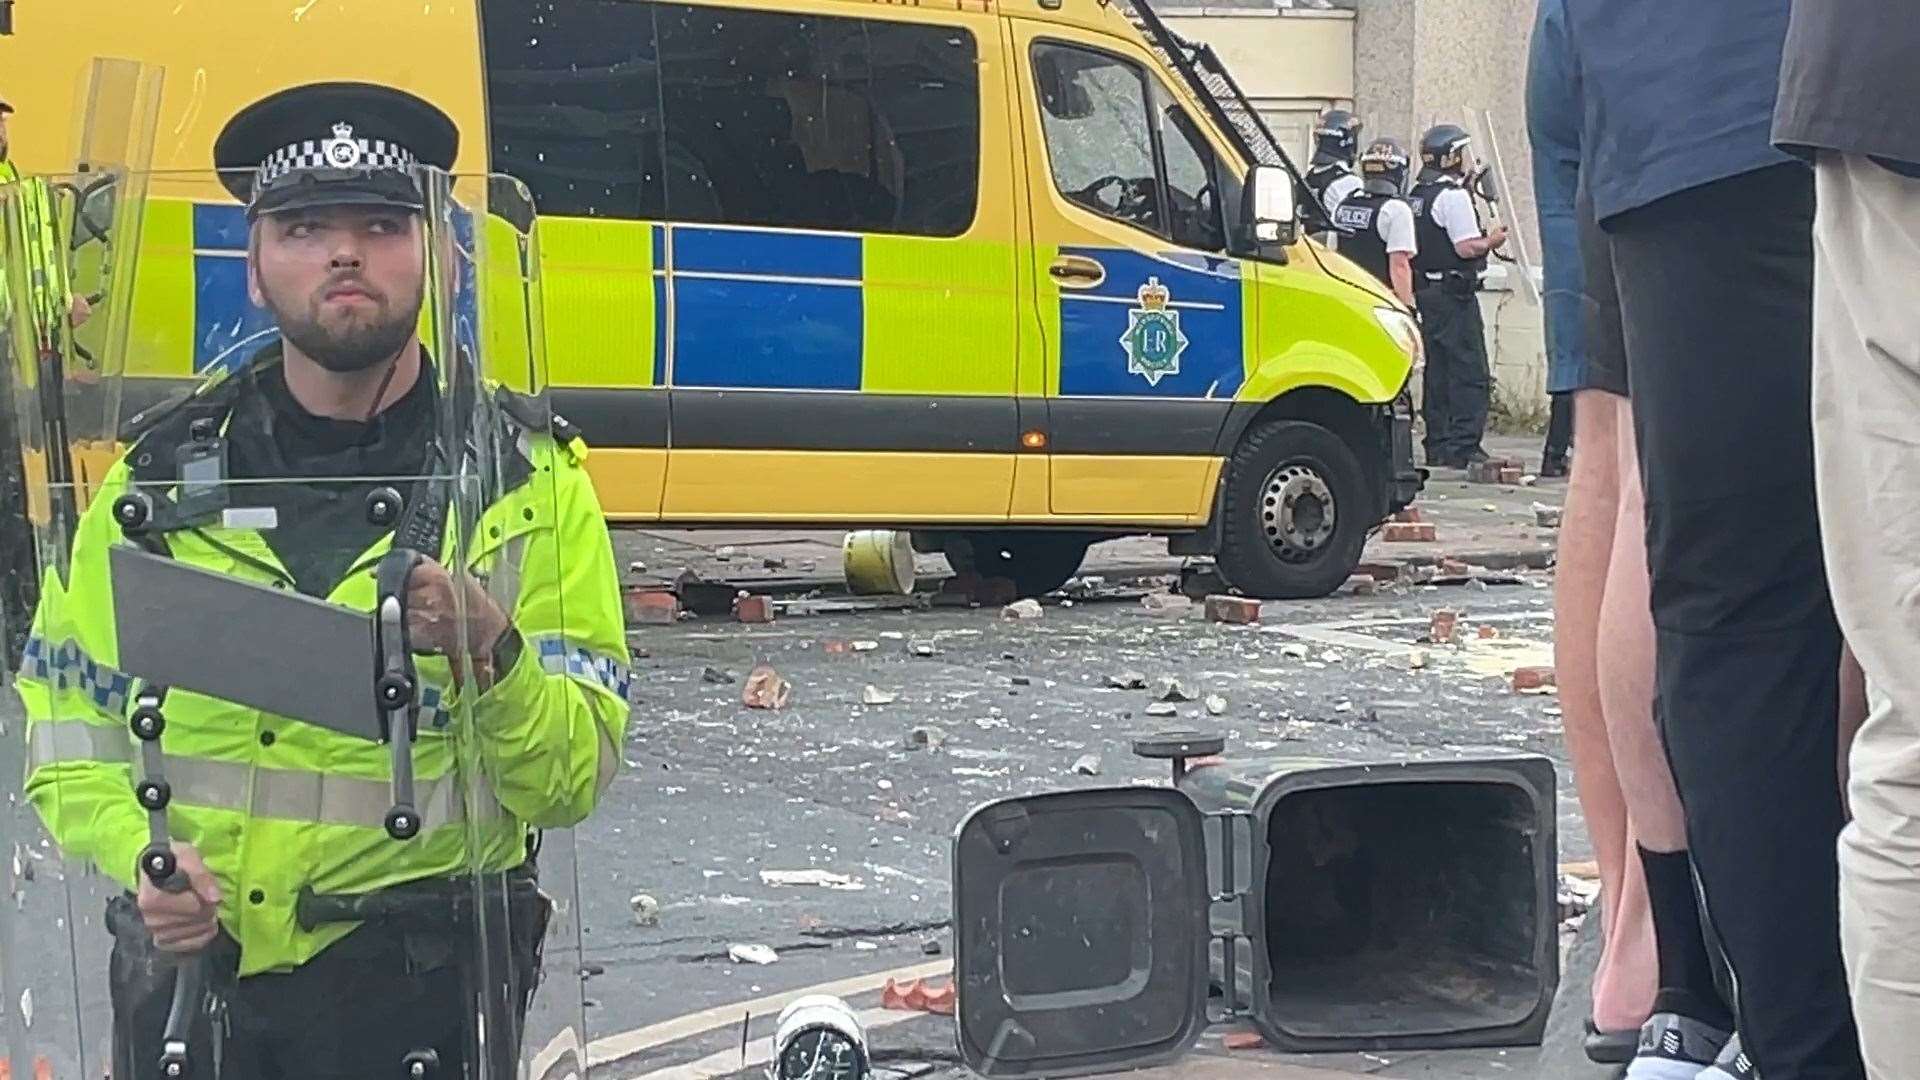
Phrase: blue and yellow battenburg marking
pixel 1167 326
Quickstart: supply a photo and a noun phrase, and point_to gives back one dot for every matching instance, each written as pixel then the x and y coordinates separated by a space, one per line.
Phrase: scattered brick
pixel 1485 472
pixel 1410 532
pixel 1410 514
pixel 1488 633
pixel 1546 517
pixel 1532 678
pixel 1454 568
pixel 753 608
pixel 765 689
pixel 1379 571
pixel 652 607
pixel 1239 610
pixel 1511 476
pixel 1444 626
pixel 1243 1040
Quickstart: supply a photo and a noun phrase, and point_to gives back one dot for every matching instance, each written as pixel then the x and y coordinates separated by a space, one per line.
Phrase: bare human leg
pixel 1624 983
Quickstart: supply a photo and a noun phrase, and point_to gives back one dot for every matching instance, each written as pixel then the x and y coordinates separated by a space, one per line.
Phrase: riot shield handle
pixel 162 867
pixel 396 690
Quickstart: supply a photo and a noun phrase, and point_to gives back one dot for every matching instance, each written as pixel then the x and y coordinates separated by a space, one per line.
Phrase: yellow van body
pixel 923 314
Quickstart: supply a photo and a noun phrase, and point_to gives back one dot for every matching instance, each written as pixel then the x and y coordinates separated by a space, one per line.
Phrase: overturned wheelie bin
pixel 1334 905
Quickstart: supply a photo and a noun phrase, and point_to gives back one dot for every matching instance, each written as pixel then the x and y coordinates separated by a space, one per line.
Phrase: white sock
pixel 1657 1068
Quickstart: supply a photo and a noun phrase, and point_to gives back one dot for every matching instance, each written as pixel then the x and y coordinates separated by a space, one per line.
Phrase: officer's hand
pixel 433 616
pixel 184 921
pixel 82 311
pixel 1497 236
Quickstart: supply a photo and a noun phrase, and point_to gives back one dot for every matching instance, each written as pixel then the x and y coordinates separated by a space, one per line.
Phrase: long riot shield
pixel 327 654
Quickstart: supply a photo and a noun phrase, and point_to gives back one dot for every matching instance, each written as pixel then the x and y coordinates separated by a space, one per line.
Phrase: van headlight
pixel 1402 328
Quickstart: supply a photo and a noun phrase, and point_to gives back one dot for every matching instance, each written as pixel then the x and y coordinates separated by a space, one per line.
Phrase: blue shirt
pixel 1677 93
pixel 1554 118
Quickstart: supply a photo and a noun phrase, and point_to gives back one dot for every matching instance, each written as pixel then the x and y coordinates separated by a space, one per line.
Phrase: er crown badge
pixel 342 151
pixel 1153 339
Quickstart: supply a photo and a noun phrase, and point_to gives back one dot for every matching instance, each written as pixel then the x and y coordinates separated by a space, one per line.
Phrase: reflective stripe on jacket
pixel 274 804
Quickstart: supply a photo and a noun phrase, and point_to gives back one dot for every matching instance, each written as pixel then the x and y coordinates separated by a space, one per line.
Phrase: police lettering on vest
pixel 1358 220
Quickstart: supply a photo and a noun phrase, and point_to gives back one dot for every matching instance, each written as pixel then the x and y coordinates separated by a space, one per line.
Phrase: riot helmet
pixel 1443 151
pixel 1383 167
pixel 1336 137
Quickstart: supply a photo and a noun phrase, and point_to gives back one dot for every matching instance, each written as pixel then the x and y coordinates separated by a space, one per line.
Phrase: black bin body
pixel 1393 905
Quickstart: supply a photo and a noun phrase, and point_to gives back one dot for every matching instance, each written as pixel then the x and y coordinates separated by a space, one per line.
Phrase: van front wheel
pixel 1036 561
pixel 1293 515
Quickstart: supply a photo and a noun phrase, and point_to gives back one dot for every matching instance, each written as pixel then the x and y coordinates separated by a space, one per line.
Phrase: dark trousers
pixel 352 1013
pixel 1457 385
pixel 1559 429
pixel 1716 289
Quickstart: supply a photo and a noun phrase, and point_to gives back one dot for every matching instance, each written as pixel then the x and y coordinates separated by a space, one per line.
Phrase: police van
pixel 1017 275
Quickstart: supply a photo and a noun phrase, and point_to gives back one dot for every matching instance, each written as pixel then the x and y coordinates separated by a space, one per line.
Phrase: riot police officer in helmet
pixel 1336 142
pixel 1453 250
pixel 1376 224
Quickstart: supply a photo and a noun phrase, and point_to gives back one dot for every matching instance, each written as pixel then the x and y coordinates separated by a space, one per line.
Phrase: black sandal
pixel 1610 1047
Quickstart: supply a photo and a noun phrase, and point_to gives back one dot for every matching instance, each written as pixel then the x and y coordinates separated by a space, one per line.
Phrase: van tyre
pixel 1036 562
pixel 1294 514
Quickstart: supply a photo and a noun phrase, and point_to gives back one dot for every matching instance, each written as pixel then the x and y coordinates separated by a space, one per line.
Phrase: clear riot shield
pixel 322 666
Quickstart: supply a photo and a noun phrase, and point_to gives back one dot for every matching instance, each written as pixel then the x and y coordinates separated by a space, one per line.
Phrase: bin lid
pixel 1080 931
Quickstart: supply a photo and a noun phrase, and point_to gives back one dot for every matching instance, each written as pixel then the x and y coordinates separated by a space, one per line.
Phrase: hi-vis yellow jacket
pixel 46 277
pixel 274 804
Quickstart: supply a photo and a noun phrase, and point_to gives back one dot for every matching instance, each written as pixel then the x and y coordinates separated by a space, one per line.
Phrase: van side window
pixel 573 105
pixel 819 122
pixel 1193 184
pixel 1093 113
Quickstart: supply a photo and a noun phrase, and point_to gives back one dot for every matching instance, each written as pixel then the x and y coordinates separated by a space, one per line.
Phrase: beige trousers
pixel 1866 428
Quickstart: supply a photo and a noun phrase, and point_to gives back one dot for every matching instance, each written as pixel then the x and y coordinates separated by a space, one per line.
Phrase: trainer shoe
pixel 1675 1047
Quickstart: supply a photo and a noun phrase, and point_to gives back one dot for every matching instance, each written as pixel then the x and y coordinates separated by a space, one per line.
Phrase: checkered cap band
pixel 334 153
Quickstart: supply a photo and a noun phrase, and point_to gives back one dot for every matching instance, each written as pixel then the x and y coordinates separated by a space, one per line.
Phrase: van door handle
pixel 1077 272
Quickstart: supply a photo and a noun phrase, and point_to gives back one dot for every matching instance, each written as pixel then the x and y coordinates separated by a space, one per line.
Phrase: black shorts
pixel 1605 342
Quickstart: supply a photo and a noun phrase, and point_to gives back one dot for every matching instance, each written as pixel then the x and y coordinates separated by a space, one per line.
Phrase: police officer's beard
pixel 348 344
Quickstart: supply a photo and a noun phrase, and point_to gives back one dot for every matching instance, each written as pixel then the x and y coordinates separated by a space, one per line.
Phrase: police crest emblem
pixel 342 151
pixel 1153 339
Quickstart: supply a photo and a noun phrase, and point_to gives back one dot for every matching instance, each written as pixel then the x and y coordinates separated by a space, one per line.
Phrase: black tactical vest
pixel 1436 254
pixel 1358 220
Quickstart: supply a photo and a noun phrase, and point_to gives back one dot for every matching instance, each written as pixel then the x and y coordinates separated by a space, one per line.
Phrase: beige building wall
pixel 1290 63
pixel 1405 65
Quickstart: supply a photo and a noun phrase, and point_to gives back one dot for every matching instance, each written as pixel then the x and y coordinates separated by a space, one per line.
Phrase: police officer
pixel 1330 176
pixel 1453 253
pixel 18 587
pixel 270 815
pixel 1376 225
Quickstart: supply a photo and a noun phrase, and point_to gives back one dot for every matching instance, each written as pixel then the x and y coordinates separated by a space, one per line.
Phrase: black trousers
pixel 1716 291
pixel 1458 383
pixel 1559 428
pixel 352 1013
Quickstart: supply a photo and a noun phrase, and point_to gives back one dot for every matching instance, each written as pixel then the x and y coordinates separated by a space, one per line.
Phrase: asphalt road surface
pixel 719 802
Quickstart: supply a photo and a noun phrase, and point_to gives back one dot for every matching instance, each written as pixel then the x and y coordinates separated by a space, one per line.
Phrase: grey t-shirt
pixel 1850 81
pixel 1677 93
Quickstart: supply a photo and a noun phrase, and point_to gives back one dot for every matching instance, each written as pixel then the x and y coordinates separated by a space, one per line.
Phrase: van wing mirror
pixel 1271 213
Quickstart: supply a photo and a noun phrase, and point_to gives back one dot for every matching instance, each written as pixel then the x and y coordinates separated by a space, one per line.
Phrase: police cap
pixel 333 144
